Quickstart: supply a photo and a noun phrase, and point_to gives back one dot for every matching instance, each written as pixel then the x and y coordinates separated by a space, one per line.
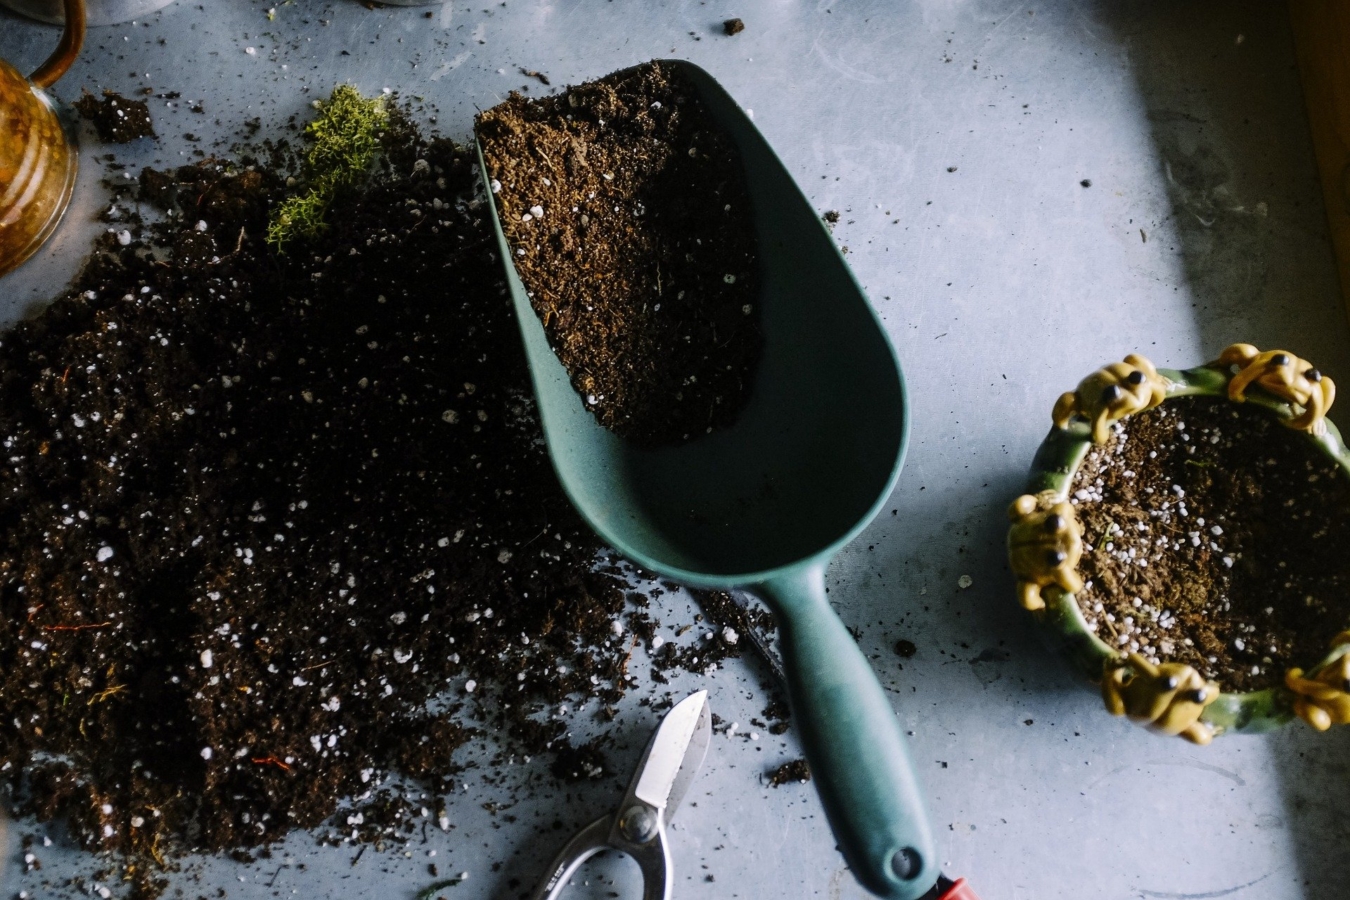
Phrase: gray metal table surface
pixel 1027 190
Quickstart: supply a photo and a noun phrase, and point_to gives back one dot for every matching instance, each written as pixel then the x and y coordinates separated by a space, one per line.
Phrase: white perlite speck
pixel 729 635
pixel 105 554
pixel 470 686
pixel 964 582
pixel 206 753
pixel 207 659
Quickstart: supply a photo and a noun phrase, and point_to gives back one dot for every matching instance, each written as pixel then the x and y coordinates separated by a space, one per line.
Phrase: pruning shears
pixel 637 826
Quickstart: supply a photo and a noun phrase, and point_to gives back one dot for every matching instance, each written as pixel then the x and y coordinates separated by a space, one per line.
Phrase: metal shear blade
pixel 638 827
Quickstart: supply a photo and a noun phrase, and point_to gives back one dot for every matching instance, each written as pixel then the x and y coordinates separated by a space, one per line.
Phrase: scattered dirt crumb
pixel 795 771
pixel 580 763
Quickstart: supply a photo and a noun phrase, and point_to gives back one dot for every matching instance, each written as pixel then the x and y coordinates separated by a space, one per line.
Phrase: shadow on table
pixel 40 39
pixel 1225 107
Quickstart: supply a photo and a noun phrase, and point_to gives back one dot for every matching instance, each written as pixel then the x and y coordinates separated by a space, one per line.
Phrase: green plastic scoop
pixel 764 504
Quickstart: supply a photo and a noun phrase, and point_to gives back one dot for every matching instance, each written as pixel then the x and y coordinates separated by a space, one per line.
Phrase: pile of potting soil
pixel 1214 537
pixel 629 215
pixel 258 512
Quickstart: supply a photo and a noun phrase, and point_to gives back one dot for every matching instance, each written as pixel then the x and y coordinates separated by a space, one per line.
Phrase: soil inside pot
pixel 1215 536
pixel 628 212
pixel 274 528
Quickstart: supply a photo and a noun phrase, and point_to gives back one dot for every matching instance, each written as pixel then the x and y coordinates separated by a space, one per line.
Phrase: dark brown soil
pixel 795 772
pixel 733 26
pixel 630 221
pixel 1214 536
pixel 256 512
pixel 117 119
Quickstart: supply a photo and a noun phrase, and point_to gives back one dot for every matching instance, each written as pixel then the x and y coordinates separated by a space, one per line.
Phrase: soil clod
pixel 116 119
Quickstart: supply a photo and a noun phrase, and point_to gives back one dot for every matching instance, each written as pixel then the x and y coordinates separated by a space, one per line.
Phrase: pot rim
pixel 1053 468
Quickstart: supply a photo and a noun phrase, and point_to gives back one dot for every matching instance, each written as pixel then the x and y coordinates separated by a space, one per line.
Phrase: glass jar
pixel 37 160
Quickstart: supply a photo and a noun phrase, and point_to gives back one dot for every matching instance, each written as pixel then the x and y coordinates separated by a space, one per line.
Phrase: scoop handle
pixel 72 39
pixel 852 740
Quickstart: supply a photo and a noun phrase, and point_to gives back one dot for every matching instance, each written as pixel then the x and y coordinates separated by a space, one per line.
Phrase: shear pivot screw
pixel 638 824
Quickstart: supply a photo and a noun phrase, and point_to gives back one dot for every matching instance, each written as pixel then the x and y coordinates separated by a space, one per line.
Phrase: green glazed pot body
pixel 1061 621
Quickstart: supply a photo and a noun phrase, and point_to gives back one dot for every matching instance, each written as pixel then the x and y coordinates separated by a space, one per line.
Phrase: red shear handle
pixel 959 890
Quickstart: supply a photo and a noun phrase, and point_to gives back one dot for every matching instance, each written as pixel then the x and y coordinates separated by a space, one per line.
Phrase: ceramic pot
pixel 1045 544
pixel 37 160
pixel 99 12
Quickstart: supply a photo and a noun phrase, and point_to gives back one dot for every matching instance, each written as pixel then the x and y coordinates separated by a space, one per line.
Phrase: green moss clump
pixel 345 135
